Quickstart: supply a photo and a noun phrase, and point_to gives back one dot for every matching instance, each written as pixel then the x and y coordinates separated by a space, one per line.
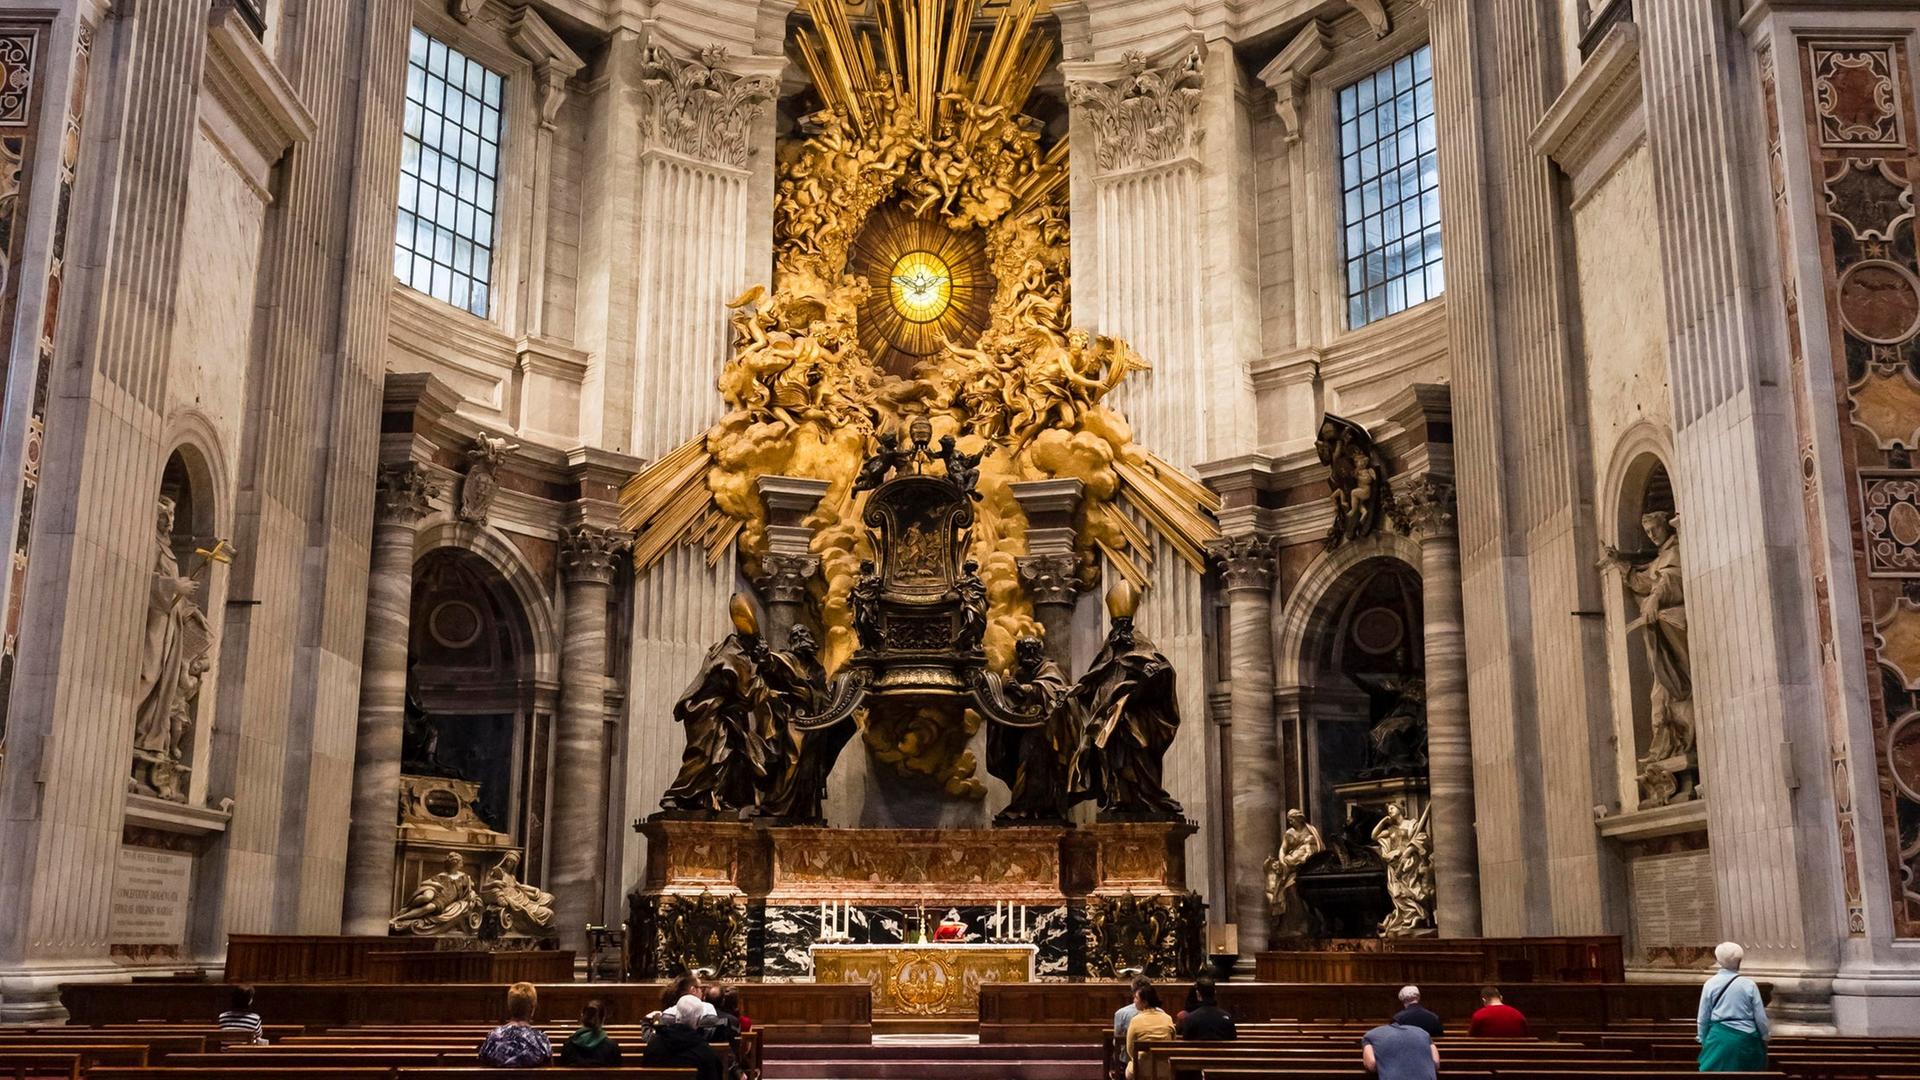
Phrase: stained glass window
pixel 449 165
pixel 1390 190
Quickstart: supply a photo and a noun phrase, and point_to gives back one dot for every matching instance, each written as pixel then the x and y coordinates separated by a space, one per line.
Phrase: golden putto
pixel 921 270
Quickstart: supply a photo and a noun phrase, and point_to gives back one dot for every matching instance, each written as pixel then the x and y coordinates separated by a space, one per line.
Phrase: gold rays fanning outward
pixel 922 276
pixel 926 284
pixel 929 53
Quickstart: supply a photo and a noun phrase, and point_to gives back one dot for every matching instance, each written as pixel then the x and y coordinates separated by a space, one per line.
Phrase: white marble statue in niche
pixel 1669 770
pixel 174 657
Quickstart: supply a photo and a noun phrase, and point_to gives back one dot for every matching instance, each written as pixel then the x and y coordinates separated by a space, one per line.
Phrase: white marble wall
pixel 191 220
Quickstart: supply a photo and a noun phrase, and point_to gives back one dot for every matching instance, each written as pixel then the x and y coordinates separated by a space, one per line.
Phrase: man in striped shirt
pixel 240 1015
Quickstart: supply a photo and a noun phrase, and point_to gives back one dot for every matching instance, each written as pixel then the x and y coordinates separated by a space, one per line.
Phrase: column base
pixel 31 993
pixel 1877 1004
pixel 1801 1002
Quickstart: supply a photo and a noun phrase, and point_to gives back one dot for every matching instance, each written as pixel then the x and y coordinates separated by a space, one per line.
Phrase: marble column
pixel 1430 508
pixel 1050 571
pixel 782 585
pixel 789 564
pixel 1246 570
pixel 1053 584
pixel 402 497
pixel 576 834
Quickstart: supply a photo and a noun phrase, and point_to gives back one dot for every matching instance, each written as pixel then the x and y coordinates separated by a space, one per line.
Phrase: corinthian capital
pixel 588 553
pixel 404 493
pixel 1429 507
pixel 1144 117
pixel 698 107
pixel 1052 578
pixel 784 576
pixel 1245 562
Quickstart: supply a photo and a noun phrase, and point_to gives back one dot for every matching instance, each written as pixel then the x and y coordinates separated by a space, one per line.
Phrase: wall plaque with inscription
pixel 1673 900
pixel 150 897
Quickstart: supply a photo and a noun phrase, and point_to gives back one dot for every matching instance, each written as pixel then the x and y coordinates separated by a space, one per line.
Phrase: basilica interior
pixel 928 509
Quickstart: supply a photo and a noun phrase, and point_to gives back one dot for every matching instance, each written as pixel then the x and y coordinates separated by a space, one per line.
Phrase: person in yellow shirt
pixel 1150 1023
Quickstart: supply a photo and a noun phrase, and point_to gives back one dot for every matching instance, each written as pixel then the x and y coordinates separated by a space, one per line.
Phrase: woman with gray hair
pixel 682 1043
pixel 1733 1020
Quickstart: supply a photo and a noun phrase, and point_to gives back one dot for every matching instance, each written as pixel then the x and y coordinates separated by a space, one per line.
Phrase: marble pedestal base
pixel 755 899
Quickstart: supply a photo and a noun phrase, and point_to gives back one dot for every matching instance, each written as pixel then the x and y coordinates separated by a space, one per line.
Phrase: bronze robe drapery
pixel 1037 763
pixel 731 747
pixel 1132 717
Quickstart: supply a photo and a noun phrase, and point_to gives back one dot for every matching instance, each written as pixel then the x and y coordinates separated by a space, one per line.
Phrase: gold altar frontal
pixel 934 980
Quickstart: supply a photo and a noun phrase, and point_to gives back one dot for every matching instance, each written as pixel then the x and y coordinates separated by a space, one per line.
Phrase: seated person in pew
pixel 727 1003
pixel 517 1044
pixel 681 1042
pixel 590 1045
pixel 1400 1051
pixel 686 984
pixel 1414 1014
pixel 1495 1019
pixel 240 1014
pixel 1124 1014
pixel 725 1027
pixel 1732 1025
pixel 1149 1022
pixel 1204 1019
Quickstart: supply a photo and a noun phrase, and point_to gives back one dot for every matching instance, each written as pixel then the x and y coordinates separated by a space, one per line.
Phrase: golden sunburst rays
pixel 925 49
pixel 926 284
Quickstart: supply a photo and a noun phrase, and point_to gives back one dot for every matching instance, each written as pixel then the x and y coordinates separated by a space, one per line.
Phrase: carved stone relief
pixel 481 484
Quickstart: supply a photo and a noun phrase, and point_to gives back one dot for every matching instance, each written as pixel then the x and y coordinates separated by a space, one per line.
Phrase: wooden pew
pixel 156 1047
pixel 789 1012
pixel 1079 1012
pixel 32 1066
pixel 388 1073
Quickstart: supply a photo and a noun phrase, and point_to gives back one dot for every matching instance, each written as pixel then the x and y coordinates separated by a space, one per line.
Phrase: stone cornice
pixel 1287 74
pixel 267 116
pixel 553 62
pixel 1597 117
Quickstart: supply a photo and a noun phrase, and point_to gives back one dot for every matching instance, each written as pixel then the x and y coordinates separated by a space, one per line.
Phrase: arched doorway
pixel 1366 658
pixel 470 689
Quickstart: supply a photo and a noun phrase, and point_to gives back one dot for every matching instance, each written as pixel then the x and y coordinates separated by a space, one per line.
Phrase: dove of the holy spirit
pixel 922 286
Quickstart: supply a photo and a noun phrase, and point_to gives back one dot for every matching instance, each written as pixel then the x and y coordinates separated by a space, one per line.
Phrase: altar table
pixel 924 980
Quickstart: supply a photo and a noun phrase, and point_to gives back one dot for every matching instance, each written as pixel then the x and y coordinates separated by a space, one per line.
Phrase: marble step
pixel 983 1066
pixel 928 1050
pixel 933 1058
